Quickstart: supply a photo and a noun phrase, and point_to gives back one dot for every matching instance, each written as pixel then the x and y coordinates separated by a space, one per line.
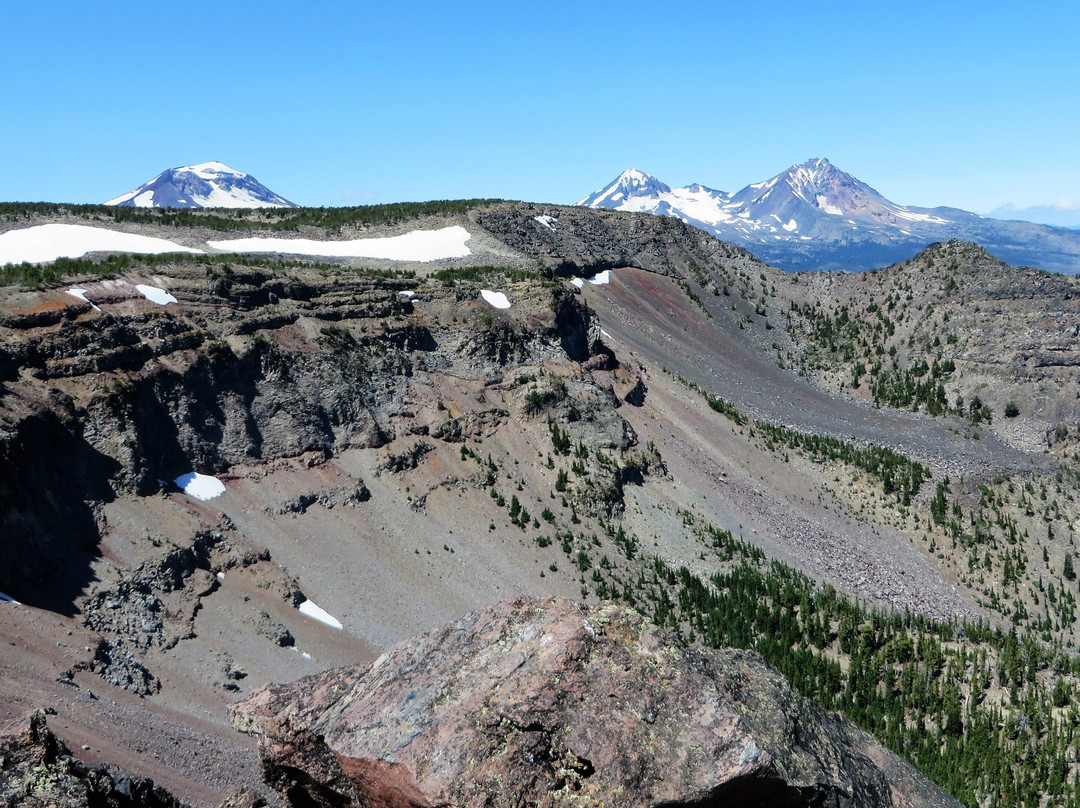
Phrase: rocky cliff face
pixel 255 368
pixel 547 702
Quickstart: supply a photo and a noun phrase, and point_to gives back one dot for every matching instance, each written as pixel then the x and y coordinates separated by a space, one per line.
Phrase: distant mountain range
pixel 1064 213
pixel 815 216
pixel 206 185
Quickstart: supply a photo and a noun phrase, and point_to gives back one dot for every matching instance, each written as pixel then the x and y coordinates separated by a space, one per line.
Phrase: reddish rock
pixel 547 702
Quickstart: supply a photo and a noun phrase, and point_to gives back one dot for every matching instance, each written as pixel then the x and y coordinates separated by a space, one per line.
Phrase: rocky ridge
pixel 406 452
pixel 584 242
pixel 1005 334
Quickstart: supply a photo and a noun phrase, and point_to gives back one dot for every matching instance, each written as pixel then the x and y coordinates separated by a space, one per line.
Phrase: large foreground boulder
pixel 547 702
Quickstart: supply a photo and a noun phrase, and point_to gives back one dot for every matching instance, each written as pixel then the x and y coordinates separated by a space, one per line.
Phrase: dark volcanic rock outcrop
pixel 36 769
pixel 547 702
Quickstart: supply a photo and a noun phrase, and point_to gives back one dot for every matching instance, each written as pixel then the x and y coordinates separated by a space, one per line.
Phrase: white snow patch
pixel 824 204
pixel 601 278
pixel 47 242
pixel 604 333
pixel 911 216
pixel 8 599
pixel 418 245
pixel 221 576
pixel 578 282
pixel 81 294
pixel 408 294
pixel 546 221
pixel 496 299
pixel 791 226
pixel 155 294
pixel 211 169
pixel 233 198
pixel 309 608
pixel 200 486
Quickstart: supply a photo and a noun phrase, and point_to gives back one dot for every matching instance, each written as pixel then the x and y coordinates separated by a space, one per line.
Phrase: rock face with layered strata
pixel 547 702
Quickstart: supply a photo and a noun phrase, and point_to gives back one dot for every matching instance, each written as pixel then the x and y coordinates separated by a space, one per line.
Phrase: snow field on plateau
pixel 418 245
pixel 47 242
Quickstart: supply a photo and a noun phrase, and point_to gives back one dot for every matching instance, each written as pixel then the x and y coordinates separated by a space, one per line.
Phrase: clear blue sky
pixel 970 104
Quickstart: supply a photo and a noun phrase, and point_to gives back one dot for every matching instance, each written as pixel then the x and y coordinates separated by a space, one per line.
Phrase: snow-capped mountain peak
pixel 815 173
pixel 204 185
pixel 810 204
pixel 821 184
pixel 632 183
pixel 820 187
pixel 213 169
